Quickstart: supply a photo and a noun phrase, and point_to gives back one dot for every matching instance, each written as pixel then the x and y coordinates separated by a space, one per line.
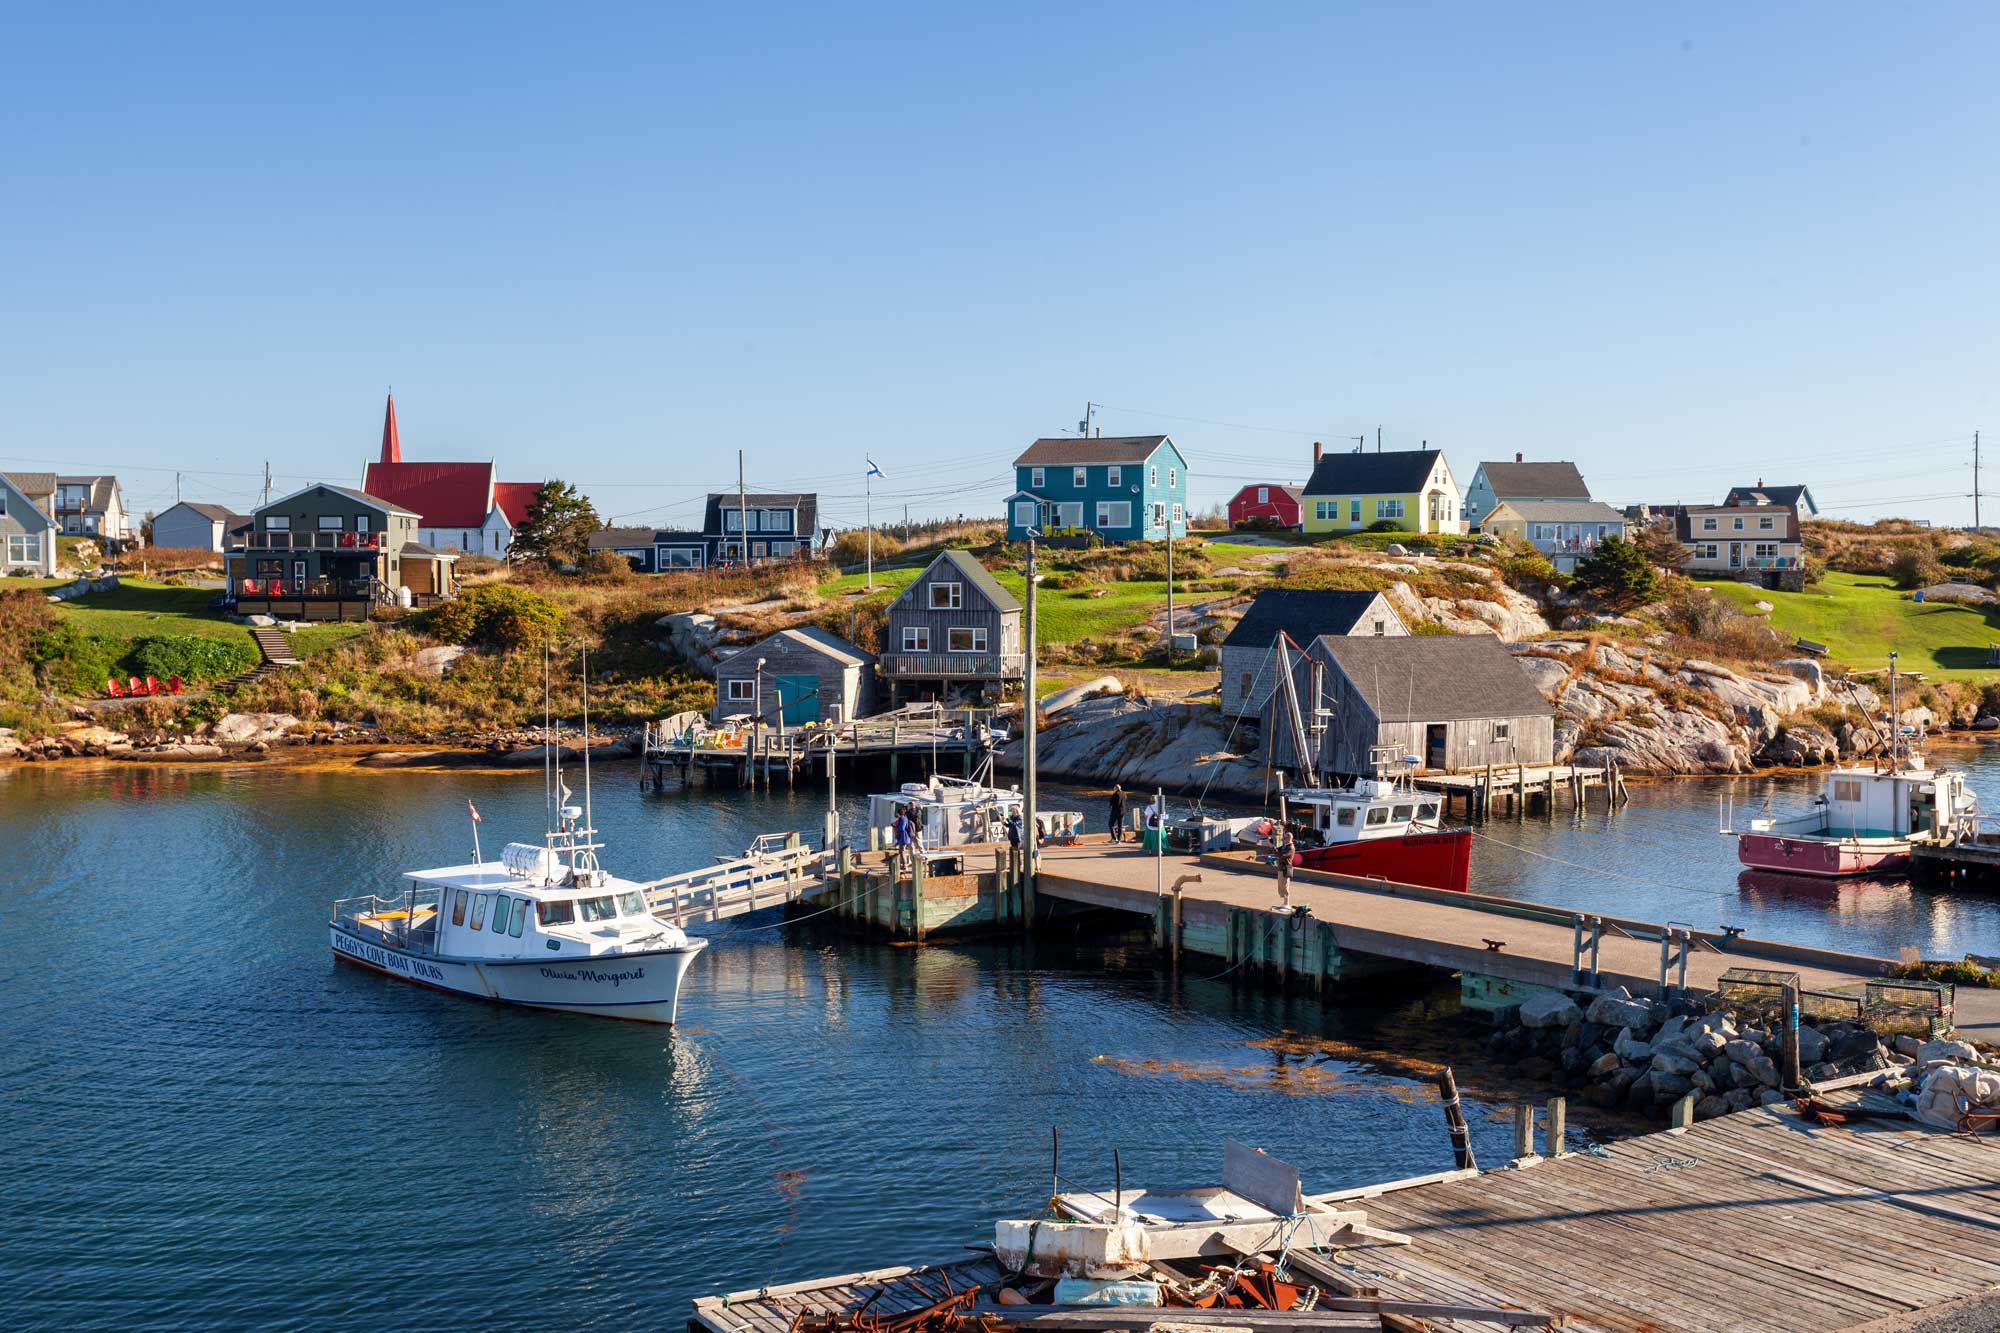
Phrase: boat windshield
pixel 598 909
pixel 632 904
pixel 556 914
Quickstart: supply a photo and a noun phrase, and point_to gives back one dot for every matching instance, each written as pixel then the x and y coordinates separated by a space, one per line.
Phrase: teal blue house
pixel 1127 488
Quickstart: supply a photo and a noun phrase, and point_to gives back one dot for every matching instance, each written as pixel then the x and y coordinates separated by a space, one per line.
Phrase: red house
pixel 1266 502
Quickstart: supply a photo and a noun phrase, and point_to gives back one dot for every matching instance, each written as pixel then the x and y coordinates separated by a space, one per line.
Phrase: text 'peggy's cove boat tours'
pixel 544 927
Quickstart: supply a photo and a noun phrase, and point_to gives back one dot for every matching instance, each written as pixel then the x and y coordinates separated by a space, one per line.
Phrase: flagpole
pixel 475 831
pixel 868 519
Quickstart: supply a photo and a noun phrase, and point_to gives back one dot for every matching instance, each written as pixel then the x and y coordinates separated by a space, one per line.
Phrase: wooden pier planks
pixel 1758 1222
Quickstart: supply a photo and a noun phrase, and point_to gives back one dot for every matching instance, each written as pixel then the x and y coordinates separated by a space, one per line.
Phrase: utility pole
pixel 267 482
pixel 1028 711
pixel 1361 444
pixel 1378 439
pixel 742 513
pixel 1170 590
pixel 1975 481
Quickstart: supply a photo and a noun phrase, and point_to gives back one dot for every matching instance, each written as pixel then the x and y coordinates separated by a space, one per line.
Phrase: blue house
pixel 1126 488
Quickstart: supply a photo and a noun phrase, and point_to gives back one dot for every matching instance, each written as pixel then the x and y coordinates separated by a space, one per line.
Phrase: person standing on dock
pixel 902 835
pixel 1287 849
pixel 1117 813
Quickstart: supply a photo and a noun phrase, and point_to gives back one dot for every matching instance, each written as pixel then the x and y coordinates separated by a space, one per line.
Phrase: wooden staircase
pixel 275 649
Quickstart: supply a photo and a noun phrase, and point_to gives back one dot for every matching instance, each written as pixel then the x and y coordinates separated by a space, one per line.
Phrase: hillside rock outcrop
pixel 1114 739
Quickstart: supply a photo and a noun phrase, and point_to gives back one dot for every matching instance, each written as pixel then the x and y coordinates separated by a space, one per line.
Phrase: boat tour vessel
pixel 545 926
pixel 1865 819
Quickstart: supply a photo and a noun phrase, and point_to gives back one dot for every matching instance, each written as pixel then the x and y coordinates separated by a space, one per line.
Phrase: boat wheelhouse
pixel 961 812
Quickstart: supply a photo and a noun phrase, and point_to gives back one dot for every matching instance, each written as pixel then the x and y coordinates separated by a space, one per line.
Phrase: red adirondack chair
pixel 133 686
pixel 173 684
pixel 152 685
pixel 112 690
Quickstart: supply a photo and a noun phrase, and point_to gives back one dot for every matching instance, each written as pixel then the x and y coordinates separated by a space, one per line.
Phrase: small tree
pixel 1618 572
pixel 557 529
pixel 1661 544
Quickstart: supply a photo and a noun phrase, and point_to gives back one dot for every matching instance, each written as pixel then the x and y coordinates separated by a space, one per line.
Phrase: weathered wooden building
pixel 1454 702
pixel 1303 614
pixel 954 627
pixel 807 675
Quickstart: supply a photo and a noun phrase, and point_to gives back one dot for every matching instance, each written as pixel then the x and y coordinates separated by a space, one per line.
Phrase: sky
pixel 1684 246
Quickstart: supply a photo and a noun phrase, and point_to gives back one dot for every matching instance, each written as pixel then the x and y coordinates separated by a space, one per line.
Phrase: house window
pixel 1847 789
pixel 743 691
pixel 916 638
pixel 1708 550
pixel 1114 514
pixel 1502 730
pixel 1381 628
pixel 1765 550
pixel 1079 477
pixel 1246 682
pixel 1263 495
pixel 361 522
pixel 1037 478
pixel 330 523
pixel 465 541
pixel 1114 475
pixel 965 640
pixel 24 548
pixel 1764 523
pixel 1153 475
pixel 1354 511
pixel 277 522
pixel 1172 474
pixel 1388 509
pixel 1159 514
pixel 1326 509
pixel 1024 513
pixel 1737 523
pixel 1069 514
pixel 1177 511
pixel 1708 525
pixel 947 596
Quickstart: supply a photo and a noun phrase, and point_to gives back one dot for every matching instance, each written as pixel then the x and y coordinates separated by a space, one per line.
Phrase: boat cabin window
pixel 479 910
pixel 632 904
pixel 1428 810
pixel 598 909
pixel 1346 816
pixel 520 917
pixel 556 914
pixel 1846 789
pixel 458 898
pixel 1378 816
pixel 1403 813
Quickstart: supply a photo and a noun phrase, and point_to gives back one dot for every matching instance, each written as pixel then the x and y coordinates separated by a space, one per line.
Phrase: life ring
pixel 1263 828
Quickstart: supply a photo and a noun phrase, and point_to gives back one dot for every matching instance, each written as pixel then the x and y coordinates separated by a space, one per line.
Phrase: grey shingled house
pixel 953 628
pixel 807 675
pixel 1302 614
pixel 1453 701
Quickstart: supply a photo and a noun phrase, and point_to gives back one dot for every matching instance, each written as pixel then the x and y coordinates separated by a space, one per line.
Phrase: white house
pixel 196 526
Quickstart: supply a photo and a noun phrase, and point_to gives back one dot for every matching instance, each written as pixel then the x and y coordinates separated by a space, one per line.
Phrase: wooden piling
pixel 1788 1045
pixel 1524 1132
pixel 1556 1130
pixel 1454 1119
pixel 1683 1113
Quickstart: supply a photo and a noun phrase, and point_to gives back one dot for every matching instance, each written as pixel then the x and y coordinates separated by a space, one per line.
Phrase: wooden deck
pixel 1757 1222
pixel 1446 930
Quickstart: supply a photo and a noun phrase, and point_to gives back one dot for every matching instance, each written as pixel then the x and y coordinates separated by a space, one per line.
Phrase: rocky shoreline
pixel 240 737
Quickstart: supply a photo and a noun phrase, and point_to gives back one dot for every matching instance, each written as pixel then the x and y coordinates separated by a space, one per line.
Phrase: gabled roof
pixel 1060 451
pixel 1558 511
pixel 1798 497
pixel 805 502
pixel 372 501
pixel 973 573
pixel 1290 488
pixel 607 539
pixel 807 636
pixel 1373 474
pixel 1436 677
pixel 33 485
pixel 1304 614
pixel 442 495
pixel 27 503
pixel 213 513
pixel 512 499
pixel 1535 481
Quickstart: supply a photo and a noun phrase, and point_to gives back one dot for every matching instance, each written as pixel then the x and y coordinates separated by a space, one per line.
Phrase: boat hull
pixel 1441 860
pixel 1829 858
pixel 638 988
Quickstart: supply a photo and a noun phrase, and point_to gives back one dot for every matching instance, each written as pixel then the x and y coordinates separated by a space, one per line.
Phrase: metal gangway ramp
pixel 777 869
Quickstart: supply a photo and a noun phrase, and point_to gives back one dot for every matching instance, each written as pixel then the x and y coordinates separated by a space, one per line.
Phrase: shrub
pixel 1530 572
pixel 1618 572
pixel 851 547
pixel 1707 625
pixel 499 615
pixel 191 657
pixel 1914 565
pixel 609 567
pixel 1384 525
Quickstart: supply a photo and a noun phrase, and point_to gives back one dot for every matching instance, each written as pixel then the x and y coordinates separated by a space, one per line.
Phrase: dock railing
pixel 777 869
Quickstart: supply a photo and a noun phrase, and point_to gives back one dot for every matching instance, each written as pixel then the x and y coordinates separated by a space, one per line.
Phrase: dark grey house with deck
pixel 806 675
pixel 953 628
pixel 330 553
pixel 1454 702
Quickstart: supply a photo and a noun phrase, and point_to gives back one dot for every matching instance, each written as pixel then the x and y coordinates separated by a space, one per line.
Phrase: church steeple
pixel 392 448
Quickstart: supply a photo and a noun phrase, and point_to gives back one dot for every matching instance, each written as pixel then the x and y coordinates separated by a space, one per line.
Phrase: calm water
pixel 213 1125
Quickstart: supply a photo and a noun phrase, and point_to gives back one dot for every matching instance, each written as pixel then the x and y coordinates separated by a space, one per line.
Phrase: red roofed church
pixel 460 506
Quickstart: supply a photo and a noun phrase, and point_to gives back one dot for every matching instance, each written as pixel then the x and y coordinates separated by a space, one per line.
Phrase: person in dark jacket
pixel 1117 813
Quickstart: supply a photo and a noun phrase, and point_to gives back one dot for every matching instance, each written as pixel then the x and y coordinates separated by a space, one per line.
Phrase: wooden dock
pixel 674 752
pixel 1503 948
pixel 1517 788
pixel 1757 1222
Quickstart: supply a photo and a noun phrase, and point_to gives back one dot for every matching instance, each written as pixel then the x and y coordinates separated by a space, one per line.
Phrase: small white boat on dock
pixel 545 927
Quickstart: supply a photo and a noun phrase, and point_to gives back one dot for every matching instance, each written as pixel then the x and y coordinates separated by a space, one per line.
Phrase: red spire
pixel 392 448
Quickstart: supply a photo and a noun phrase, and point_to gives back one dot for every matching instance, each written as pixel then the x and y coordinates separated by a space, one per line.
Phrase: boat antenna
pixel 548 740
pixel 1895 722
pixel 589 824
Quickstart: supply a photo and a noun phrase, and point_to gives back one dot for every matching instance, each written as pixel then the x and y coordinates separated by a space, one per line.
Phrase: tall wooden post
pixel 1524 1132
pixel 1788 1047
pixel 1555 1132
pixel 1454 1119
pixel 1030 721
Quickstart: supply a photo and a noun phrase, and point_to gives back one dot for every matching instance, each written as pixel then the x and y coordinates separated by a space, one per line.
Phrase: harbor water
pixel 213 1125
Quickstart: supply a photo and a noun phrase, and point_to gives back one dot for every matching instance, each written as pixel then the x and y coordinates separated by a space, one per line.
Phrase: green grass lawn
pixel 1862 617
pixel 137 608
pixel 12 584
pixel 312 640
pixel 1061 615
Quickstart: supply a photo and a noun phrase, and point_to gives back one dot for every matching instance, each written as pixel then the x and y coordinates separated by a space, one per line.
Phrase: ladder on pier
pixel 778 869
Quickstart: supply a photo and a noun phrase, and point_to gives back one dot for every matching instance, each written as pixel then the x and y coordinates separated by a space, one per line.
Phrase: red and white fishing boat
pixel 1865 819
pixel 1380 827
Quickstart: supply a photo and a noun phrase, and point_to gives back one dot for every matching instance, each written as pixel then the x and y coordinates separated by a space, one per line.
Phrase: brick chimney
pixel 1317 449
pixel 1517 455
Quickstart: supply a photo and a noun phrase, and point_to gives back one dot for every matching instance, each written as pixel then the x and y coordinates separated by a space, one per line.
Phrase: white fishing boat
pixel 545 926
pixel 961 812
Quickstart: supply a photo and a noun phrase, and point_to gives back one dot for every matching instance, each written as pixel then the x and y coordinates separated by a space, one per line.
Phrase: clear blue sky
pixel 1682 245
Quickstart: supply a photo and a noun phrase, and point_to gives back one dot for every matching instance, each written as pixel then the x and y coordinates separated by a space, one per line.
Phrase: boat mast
pixel 1895 722
pixel 1307 767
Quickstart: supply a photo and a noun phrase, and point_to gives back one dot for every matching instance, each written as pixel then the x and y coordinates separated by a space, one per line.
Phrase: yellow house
pixel 1412 488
